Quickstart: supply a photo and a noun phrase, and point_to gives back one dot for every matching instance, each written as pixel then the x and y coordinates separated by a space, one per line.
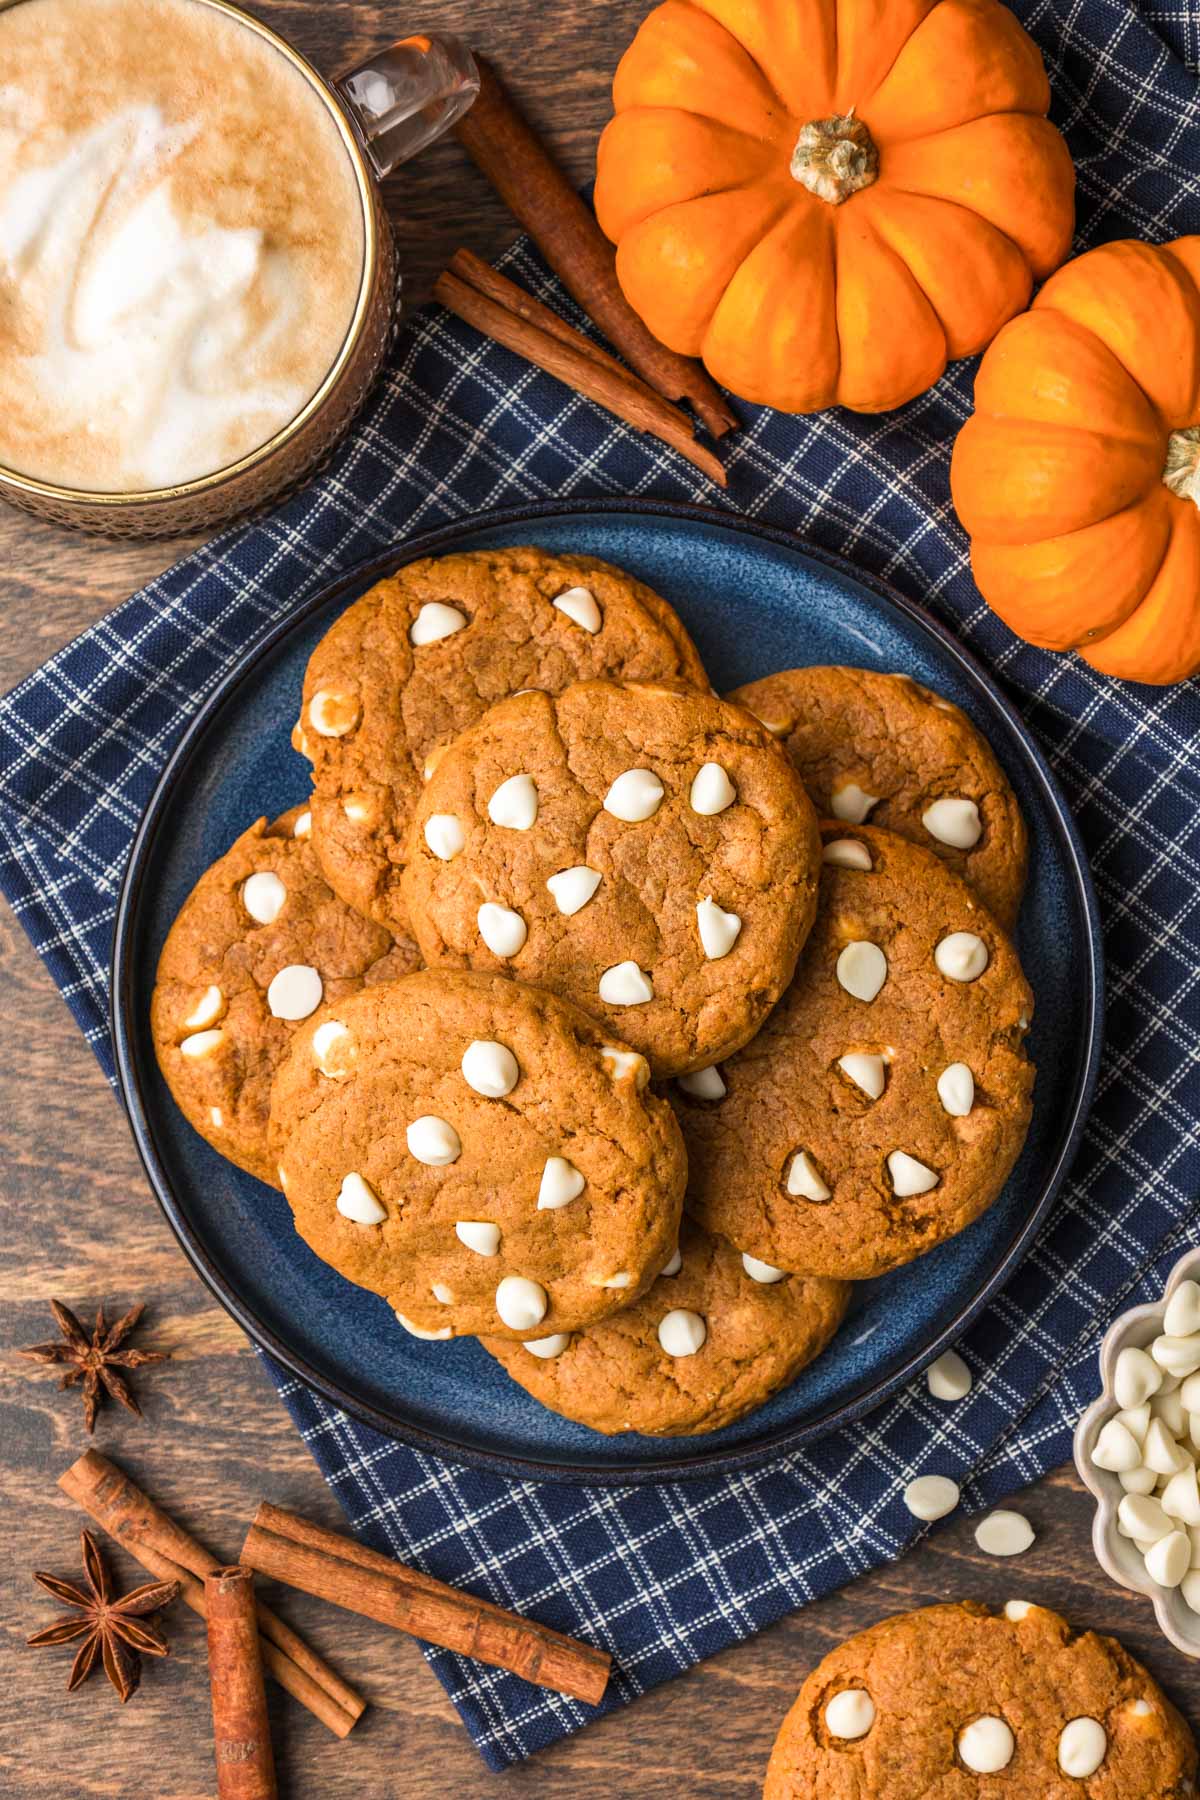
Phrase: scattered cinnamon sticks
pixel 241 1731
pixel 290 1549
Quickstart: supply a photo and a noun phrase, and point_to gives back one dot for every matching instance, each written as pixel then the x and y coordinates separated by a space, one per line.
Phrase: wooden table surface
pixel 79 1223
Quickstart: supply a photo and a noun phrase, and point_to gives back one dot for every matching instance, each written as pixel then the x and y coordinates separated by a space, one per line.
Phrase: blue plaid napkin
pixel 665 1576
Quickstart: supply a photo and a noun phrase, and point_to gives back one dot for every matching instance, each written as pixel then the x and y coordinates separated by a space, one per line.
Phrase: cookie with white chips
pixel 884 749
pixel 482 1154
pixel 957 1700
pixel 714 1338
pixel 645 850
pixel 424 653
pixel 884 1102
pixel 259 943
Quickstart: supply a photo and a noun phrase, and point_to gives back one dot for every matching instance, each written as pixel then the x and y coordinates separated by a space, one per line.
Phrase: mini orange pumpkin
pixel 828 199
pixel 1078 475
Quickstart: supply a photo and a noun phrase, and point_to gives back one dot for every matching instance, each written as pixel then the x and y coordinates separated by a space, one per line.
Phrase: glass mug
pixel 384 111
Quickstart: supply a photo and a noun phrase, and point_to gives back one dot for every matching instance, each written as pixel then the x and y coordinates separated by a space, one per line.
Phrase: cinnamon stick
pixel 241 1730
pixel 160 1545
pixel 540 197
pixel 335 1568
pixel 611 387
pixel 514 299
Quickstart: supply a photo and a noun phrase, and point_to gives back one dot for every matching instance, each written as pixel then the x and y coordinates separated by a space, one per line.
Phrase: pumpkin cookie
pixel 885 1100
pixel 940 1700
pixel 485 1156
pixel 716 1336
pixel 883 748
pixel 260 941
pixel 424 654
pixel 649 852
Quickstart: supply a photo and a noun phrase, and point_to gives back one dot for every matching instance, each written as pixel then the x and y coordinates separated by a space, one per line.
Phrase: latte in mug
pixel 181 242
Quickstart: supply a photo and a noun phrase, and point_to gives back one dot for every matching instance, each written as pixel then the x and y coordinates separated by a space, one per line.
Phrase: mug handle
pixel 403 97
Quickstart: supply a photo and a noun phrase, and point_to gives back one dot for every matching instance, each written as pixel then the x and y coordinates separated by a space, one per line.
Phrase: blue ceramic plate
pixel 753 601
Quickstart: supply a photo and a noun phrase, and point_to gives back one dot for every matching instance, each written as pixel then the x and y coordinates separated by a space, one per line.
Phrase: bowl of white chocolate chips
pixel 1138 1449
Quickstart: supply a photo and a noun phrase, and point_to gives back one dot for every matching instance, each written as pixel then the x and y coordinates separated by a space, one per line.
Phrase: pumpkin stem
pixel 1182 471
pixel 835 157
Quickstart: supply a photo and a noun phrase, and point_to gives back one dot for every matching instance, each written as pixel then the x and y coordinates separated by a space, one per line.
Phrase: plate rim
pixel 780 1440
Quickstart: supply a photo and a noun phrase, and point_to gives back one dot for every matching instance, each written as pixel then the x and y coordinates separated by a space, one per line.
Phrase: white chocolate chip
pixel 263 895
pixel 625 985
pixel 1189 1587
pixel 303 826
pixel 956 1090
pixel 207 1010
pixel 866 1072
pixel 953 821
pixel 682 1333
pixel 1082 1745
pixel 1138 1481
pixel 1016 1610
pixel 216 1117
pixel 1136 1419
pixel 514 805
pixel 622 1279
pixel 418 1331
pixel 429 767
pixel 962 956
pixel 502 930
pixel 1177 1355
pixel 674 1265
pixel 704 1084
pixel 847 853
pixel 1116 1449
pixel 359 809
pixel 852 803
pixel 442 1294
pixel 482 1238
pixel 986 1745
pixel 490 1068
pixel 1136 1377
pixel 931 1496
pixel 634 796
pixel 358 1200
pixel 331 1048
pixel 949 1377
pixel 803 1178
pixel 547 1347
pixel 850 1714
pixel 571 889
pixel 201 1043
pixel 764 1272
pixel 1182 1316
pixel 521 1303
pixel 862 969
pixel 332 713
pixel 718 930
pixel 625 1064
pixel 1004 1534
pixel 295 992
pixel 1168 1559
pixel 711 791
pixel 1180 1499
pixel 1141 1709
pixel 579 604
pixel 1140 1516
pixel 1160 1452
pixel 433 1141
pixel 434 622
pixel 283 1177
pixel 909 1176
pixel 561 1183
pixel 444 835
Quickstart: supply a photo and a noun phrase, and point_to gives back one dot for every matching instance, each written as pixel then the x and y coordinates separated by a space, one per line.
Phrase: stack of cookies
pixel 563 943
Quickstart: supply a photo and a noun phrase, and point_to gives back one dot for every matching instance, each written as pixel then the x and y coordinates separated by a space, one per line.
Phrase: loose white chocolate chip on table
pixel 514 805
pixel 571 889
pixel 962 956
pixel 547 1347
pixel 711 791
pixel 625 985
pixel 295 992
pixel 1136 1377
pixel 1177 1355
pixel 433 1141
pixel 1016 1610
pixel 1140 1516
pixel 718 930
pixel 862 969
pixel 949 1377
pixel 490 1068
pixel 418 1331
pixel 682 1333
pixel 931 1497
pixel 704 1084
pixel 478 1236
pixel 634 796
pixel 444 835
pixel 846 853
pixel 850 1714
pixel 622 1279
pixel 953 821
pixel 521 1303
pixel 358 1200
pixel 579 604
pixel 207 1010
pixel 561 1183
pixel 1004 1534
pixel 866 1072
pixel 201 1043
pixel 263 895
pixel 303 826
pixel 442 1294
pixel 1082 1744
pixel 956 1090
pixel 332 713
pixel 673 1267
pixel 852 803
pixel 909 1176
pixel 804 1179
pixel 1116 1448
pixel 762 1271
pixel 502 930
pixel 1168 1558
pixel 331 1049
pixel 986 1745
pixel 623 1064
pixel 435 621
pixel 1182 1316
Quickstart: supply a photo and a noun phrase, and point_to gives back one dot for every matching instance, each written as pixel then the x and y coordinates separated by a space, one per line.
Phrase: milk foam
pixel 180 255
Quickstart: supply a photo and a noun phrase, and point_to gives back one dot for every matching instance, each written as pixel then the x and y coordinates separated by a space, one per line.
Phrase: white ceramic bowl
pixel 1117 1555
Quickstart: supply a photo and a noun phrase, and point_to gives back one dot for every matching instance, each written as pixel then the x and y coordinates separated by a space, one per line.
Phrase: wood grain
pixel 79 1222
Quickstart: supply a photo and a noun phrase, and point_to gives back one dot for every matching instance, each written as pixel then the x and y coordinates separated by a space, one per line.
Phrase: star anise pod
pixel 96 1361
pixel 115 1629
